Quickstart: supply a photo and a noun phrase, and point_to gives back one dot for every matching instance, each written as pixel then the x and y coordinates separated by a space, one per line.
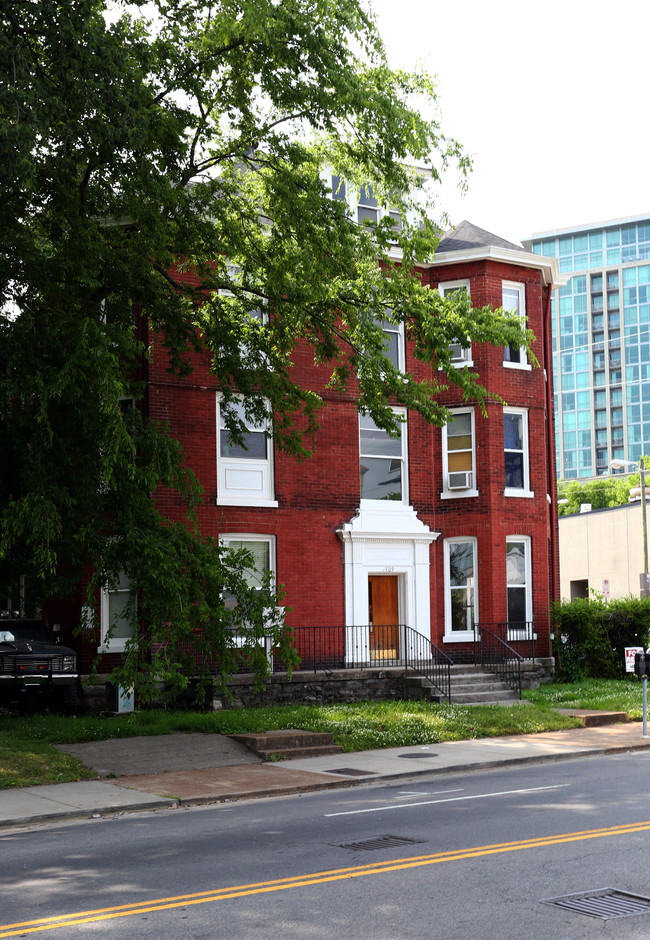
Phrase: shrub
pixel 591 635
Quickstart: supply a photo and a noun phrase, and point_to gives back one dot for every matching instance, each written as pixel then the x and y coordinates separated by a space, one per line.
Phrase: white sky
pixel 551 99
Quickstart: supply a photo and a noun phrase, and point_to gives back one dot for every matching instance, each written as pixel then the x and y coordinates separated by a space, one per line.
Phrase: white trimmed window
pixel 113 616
pixel 394 342
pixel 459 455
pixel 513 297
pixel 518 578
pixel 515 449
pixel 262 549
pixel 460 356
pixel 245 471
pixel 257 312
pixel 382 462
pixel 461 596
pixel 367 207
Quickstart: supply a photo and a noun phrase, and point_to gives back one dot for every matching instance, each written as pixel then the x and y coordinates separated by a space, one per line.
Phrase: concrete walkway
pixel 168 771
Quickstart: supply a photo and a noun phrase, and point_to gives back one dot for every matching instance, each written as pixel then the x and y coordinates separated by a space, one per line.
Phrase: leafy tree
pixel 601 493
pixel 139 159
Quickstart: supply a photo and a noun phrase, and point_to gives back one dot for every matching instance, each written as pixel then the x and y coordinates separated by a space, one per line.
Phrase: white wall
pixel 606 544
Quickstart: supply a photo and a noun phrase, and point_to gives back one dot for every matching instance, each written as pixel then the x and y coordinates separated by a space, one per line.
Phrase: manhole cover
pixel 604 903
pixel 380 842
pixel 351 772
pixel 419 755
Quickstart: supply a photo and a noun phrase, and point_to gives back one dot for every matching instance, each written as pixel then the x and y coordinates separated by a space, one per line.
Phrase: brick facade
pixel 327 543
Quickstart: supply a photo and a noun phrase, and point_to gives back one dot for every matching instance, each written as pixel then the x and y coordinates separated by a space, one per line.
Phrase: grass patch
pixel 616 695
pixel 28 758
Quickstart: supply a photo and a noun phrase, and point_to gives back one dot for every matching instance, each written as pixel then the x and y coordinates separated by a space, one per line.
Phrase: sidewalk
pixel 165 772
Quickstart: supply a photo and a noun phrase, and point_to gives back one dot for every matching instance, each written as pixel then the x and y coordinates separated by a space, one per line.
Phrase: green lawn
pixel 28 758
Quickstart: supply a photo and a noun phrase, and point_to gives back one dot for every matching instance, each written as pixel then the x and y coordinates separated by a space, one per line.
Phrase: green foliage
pixel 591 635
pixel 601 493
pixel 137 157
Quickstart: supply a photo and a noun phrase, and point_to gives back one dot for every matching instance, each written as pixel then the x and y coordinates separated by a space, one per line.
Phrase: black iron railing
pixel 495 654
pixel 331 648
pixel 428 661
pixel 520 635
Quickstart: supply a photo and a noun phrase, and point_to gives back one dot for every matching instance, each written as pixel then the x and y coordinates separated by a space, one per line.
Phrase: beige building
pixel 602 550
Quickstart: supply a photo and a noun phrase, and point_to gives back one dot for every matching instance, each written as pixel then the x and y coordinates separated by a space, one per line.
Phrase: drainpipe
pixel 552 488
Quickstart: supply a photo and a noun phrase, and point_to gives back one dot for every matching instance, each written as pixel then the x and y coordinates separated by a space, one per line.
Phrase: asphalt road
pixel 451 856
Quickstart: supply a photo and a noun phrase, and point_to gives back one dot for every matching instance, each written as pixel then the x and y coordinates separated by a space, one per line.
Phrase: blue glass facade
pixel 601 344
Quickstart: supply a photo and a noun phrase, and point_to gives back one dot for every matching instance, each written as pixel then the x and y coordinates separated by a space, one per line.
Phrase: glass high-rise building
pixel 601 343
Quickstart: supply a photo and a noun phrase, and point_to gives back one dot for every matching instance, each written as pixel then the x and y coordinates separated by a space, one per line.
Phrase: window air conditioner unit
pixel 460 480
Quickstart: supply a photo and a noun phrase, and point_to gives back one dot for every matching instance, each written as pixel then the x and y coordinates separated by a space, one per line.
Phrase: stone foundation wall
pixel 320 688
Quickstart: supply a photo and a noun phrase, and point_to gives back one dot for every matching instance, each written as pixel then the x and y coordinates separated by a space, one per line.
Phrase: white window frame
pixel 464 356
pixel 525 490
pixel 398 329
pixel 243 481
pixel 261 312
pixel 471 490
pixel 520 289
pixel 368 206
pixel 227 539
pixel 450 635
pixel 389 504
pixel 111 644
pixel 525 540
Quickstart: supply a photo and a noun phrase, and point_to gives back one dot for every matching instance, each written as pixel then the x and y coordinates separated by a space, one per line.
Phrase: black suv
pixel 33 664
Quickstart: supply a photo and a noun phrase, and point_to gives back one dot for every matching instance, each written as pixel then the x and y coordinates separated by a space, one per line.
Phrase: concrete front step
pixel 288 744
pixel 484 698
pixel 470 685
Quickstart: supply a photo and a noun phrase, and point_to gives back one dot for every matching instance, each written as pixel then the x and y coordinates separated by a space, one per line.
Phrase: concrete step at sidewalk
pixel 292 743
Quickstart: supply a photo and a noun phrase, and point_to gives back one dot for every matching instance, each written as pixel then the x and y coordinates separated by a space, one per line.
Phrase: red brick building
pixel 439 531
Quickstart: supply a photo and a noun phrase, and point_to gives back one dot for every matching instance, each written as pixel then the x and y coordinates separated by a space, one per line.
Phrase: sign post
pixel 641 668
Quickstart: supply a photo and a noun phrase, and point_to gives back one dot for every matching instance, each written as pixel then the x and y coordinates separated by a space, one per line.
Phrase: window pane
pixel 514 467
pixel 117 619
pixel 513 431
pixel 510 299
pixel 380 478
pixel 254 446
pixel 515 563
pixel 391 341
pixel 461 563
pixel 461 585
pixel 375 441
pixel 516 605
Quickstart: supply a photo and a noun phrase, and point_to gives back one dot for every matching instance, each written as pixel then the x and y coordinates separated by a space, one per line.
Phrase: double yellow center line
pixel 302 881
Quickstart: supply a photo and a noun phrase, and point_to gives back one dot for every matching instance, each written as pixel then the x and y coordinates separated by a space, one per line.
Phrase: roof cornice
pixel 549 267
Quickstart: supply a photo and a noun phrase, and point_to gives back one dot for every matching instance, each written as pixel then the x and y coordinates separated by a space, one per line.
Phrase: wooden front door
pixel 383 615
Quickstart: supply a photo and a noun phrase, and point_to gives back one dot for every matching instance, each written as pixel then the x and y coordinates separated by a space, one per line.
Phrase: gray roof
pixel 466 236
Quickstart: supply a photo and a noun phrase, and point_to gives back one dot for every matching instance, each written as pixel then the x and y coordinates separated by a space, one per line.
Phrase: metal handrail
pixel 425 658
pixel 497 656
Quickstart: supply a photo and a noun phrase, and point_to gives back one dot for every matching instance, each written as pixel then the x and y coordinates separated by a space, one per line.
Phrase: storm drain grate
pixel 351 772
pixel 605 903
pixel 380 842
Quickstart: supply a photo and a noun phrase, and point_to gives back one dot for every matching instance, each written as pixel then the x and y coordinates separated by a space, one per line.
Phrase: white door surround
pixel 387 538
